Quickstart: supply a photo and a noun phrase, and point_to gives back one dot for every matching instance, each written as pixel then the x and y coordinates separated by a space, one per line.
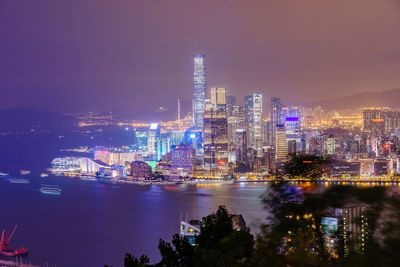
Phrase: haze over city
pixel 108 55
pixel 183 133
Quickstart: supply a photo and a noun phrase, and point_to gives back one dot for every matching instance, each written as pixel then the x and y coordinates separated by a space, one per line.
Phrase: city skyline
pixel 229 132
pixel 68 65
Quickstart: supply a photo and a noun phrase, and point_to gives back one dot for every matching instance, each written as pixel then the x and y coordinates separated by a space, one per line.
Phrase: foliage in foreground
pixel 294 235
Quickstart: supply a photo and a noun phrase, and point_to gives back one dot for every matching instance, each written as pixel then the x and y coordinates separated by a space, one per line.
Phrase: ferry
pixel 89 178
pixel 50 189
pixel 18 181
pixel 4 174
pixel 44 175
pixel 23 172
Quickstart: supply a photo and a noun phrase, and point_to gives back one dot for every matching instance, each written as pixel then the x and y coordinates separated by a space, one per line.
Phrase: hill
pixel 388 98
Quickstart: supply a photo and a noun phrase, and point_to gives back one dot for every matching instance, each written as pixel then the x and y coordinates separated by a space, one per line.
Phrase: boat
pixel 89 178
pixel 4 174
pixel 23 172
pixel 44 175
pixel 6 250
pixel 18 181
pixel 50 189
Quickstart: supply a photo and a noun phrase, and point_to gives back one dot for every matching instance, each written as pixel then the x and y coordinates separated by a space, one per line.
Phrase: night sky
pixel 80 55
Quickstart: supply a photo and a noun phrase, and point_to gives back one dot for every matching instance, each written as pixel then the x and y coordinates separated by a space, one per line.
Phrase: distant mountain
pixel 23 119
pixel 388 98
pixel 166 110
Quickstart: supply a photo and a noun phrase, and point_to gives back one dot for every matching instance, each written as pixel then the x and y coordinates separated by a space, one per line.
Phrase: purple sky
pixel 98 55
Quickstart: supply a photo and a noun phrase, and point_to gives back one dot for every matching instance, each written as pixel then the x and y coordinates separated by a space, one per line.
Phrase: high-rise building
pixel 329 145
pixel 215 139
pixel 267 132
pixel 276 117
pixel 241 146
pixel 253 121
pixel 269 156
pixel 153 135
pixel 379 121
pixel 218 96
pixel 291 147
pixel 199 89
pixel 235 122
pixel 141 140
pixel 280 144
pixel 292 120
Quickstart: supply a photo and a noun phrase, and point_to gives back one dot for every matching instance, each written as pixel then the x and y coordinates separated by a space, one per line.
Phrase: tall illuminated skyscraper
pixel 215 139
pixel 199 89
pixel 276 117
pixel 280 143
pixel 253 121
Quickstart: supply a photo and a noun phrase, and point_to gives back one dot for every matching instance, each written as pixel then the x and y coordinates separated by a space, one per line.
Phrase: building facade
pixel 253 121
pixel 215 139
pixel 199 89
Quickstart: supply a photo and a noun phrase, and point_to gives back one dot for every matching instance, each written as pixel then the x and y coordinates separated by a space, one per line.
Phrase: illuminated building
pixel 329 231
pixel 177 138
pixel 329 146
pixel 379 121
pixel 267 135
pixel 141 140
pixel 89 166
pixel 189 230
pixel 241 146
pixel 162 145
pixel 276 117
pixel 253 120
pixel 199 89
pixel 343 168
pixel 99 168
pixel 269 160
pixel 292 120
pixel 291 145
pixel 380 167
pixel 195 139
pixel 153 136
pixel 114 157
pixel 366 167
pixel 141 170
pixel 235 121
pixel 215 139
pixel 183 157
pixel 354 228
pixel 281 149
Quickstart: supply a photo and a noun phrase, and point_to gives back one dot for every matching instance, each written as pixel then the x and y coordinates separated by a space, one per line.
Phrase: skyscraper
pixel 199 89
pixel 153 135
pixel 253 121
pixel 276 117
pixel 215 141
pixel 241 147
pixel 235 121
pixel 280 143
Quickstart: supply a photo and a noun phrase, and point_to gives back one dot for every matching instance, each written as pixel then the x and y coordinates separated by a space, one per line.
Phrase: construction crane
pixel 5 240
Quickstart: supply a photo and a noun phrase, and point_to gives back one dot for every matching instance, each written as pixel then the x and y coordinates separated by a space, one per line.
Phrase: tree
pixel 295 236
pixel 295 233
pixel 218 244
